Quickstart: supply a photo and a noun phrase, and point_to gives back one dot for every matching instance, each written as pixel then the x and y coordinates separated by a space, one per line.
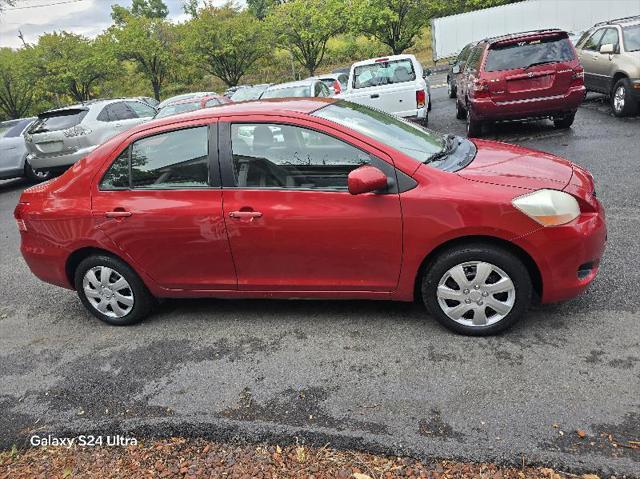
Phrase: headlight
pixel 548 207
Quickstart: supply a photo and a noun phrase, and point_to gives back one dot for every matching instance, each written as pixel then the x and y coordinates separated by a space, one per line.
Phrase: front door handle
pixel 118 214
pixel 375 95
pixel 245 215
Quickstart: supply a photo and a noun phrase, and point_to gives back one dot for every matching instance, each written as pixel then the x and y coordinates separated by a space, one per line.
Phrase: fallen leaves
pixel 179 457
pixel 581 434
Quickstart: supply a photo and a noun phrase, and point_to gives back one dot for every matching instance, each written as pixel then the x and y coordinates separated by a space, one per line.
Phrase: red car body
pixel 252 243
pixel 522 88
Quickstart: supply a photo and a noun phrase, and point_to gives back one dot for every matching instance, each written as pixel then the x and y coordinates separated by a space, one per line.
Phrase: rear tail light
pixel 577 77
pixel 17 214
pixel 421 98
pixel 336 87
pixel 480 88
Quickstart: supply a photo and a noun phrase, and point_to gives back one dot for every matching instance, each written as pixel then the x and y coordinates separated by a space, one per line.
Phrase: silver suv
pixel 59 138
pixel 610 55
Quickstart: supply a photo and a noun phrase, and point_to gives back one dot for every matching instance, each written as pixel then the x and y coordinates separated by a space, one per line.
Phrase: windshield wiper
pixel 450 145
pixel 540 63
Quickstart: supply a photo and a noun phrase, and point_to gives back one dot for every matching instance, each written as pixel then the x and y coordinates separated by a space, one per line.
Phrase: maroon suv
pixel 523 76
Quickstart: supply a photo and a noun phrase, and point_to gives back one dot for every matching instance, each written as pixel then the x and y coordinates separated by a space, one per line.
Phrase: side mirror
pixel 427 72
pixel 607 48
pixel 456 69
pixel 366 179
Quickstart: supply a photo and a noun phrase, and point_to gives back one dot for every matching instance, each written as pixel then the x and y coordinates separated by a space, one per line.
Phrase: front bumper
pixel 59 161
pixel 567 256
pixel 540 107
pixel 635 89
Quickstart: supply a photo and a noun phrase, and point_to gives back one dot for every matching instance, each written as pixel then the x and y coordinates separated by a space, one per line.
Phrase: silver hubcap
pixel 476 294
pixel 618 99
pixel 108 291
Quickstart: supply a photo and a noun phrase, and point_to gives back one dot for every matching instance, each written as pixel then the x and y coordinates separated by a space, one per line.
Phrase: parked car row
pixel 540 74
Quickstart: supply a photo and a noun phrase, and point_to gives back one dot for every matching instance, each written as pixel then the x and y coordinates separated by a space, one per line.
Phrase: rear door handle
pixel 375 95
pixel 118 214
pixel 245 214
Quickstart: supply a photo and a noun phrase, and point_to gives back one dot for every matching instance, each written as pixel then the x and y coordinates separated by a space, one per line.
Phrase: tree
pixel 16 85
pixel 140 8
pixel 149 43
pixel 190 7
pixel 395 23
pixel 71 64
pixel 260 8
pixel 227 42
pixel 303 27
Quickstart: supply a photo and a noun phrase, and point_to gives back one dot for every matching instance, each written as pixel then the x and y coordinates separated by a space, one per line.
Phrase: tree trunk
pixel 156 89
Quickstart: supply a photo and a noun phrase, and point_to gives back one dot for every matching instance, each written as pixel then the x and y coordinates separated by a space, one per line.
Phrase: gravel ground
pixel 375 376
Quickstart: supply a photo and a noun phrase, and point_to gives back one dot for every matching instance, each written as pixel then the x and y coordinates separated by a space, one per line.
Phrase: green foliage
pixel 70 64
pixel 149 43
pixel 303 27
pixel 190 7
pixel 227 42
pixel 152 9
pixel 395 23
pixel 260 8
pixel 16 84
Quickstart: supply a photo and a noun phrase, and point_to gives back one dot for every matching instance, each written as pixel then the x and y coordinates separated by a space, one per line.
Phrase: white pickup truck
pixel 395 84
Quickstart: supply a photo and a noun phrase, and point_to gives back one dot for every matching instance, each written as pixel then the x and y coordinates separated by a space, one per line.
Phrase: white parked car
pixel 395 84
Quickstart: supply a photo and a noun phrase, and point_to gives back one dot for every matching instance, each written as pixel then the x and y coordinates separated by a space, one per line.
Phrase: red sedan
pixel 314 198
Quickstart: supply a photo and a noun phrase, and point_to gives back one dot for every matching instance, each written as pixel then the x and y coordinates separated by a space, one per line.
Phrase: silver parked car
pixel 59 138
pixel 304 88
pixel 184 96
pixel 336 82
pixel 13 152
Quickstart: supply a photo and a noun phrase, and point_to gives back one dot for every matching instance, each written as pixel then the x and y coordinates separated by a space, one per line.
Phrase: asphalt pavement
pixel 379 376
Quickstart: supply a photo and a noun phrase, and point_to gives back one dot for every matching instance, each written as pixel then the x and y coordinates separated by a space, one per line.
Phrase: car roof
pixel 633 20
pixel 273 106
pixel 279 86
pixel 515 36
pixel 192 99
pixel 389 58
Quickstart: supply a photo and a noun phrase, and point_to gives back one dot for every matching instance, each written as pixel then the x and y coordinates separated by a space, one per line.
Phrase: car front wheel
pixel 451 89
pixel 565 121
pixel 621 101
pixel 474 127
pixel 112 291
pixel 477 290
pixel 461 113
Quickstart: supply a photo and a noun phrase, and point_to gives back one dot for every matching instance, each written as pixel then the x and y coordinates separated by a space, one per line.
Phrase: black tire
pixel 425 121
pixel 496 256
pixel 565 121
pixel 461 113
pixel 143 301
pixel 474 127
pixel 429 105
pixel 628 105
pixel 451 89
pixel 34 177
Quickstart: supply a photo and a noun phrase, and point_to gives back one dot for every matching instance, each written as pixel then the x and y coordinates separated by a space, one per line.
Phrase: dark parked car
pixel 523 76
pixel 456 68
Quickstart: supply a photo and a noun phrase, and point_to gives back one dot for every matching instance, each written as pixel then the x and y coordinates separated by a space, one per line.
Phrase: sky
pixel 86 17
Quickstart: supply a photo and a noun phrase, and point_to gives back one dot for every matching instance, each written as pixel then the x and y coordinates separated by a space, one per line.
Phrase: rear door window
pixel 141 110
pixel 631 38
pixel 528 52
pixel 383 73
pixel 59 120
pixel 120 111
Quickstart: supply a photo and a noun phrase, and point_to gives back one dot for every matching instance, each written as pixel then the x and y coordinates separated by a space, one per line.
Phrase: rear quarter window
pixel 527 52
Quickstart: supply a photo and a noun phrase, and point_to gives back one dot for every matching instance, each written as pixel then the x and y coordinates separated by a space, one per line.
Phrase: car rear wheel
pixel 451 89
pixel 621 101
pixel 36 176
pixel 474 127
pixel 565 121
pixel 461 113
pixel 477 289
pixel 112 291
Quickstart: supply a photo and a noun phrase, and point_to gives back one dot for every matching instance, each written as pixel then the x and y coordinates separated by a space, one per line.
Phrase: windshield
pixel 292 91
pixel 60 120
pixel 527 52
pixel 383 73
pixel 246 94
pixel 178 108
pixel 631 38
pixel 406 137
